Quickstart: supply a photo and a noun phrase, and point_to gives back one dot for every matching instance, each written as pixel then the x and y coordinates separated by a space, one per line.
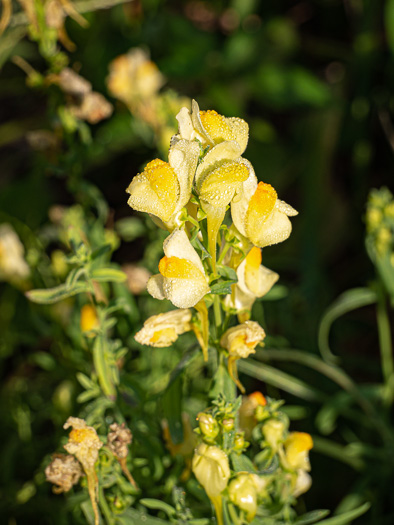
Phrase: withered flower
pixel 64 471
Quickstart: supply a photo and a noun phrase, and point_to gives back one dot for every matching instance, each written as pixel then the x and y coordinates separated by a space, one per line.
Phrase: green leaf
pixel 156 504
pixel 110 275
pixel 280 379
pixel 53 295
pixel 347 517
pixel 172 409
pixel 130 228
pixel 311 517
pixel 222 384
pixel 136 517
pixel 222 287
pixel 389 22
pixel 85 381
pixel 346 302
pixel 227 272
pixel 242 463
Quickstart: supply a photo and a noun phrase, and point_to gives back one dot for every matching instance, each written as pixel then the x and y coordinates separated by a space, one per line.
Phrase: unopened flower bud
pixel 89 319
pixel 63 471
pixel 208 425
pixel 228 424
pixel 243 493
pixel 297 446
pixel 211 468
pixel 273 431
pixel 239 442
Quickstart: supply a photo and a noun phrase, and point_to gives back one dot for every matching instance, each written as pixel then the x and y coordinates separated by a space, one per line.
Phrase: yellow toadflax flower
pixel 218 178
pixel 241 341
pixel 254 280
pixel 211 467
pixel 297 447
pixel 210 128
pixel 134 77
pixel 259 215
pixel 164 188
pixel 182 278
pixel 84 444
pixel 162 330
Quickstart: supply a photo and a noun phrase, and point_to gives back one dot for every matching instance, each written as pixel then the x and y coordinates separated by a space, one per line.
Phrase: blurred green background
pixel 315 82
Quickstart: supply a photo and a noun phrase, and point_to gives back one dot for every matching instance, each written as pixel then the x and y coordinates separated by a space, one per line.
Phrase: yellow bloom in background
pixel 254 280
pixel 211 467
pixel 13 266
pixel 259 215
pixel 134 77
pixel 182 278
pixel 89 320
pixel 164 188
pixel 244 490
pixel 185 448
pixel 210 128
pixel 297 447
pixel 246 414
pixel 241 341
pixel 163 329
pixel 84 444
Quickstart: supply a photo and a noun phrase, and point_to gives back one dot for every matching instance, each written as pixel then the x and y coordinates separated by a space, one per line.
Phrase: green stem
pixel 102 367
pixel 105 508
pixel 224 252
pixel 386 347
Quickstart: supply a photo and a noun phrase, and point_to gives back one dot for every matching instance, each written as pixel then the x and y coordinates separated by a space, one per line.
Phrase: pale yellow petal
pixel 186 130
pixel 178 245
pixel 183 158
pixel 219 186
pixel 240 203
pixel 155 287
pixel 240 130
pixel 275 229
pixel 286 208
pixel 155 190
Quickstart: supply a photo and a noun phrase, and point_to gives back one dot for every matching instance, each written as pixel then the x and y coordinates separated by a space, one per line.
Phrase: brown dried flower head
pixel 119 439
pixel 63 471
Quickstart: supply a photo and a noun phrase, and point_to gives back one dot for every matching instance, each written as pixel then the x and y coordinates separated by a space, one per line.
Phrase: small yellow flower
pixel 241 341
pixel 244 491
pixel 84 444
pixel 163 329
pixel 182 278
pixel 297 447
pixel 260 216
pixel 211 468
pixel 210 128
pixel 13 266
pixel 88 320
pixel 254 280
pixel 164 188
pixel 133 77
